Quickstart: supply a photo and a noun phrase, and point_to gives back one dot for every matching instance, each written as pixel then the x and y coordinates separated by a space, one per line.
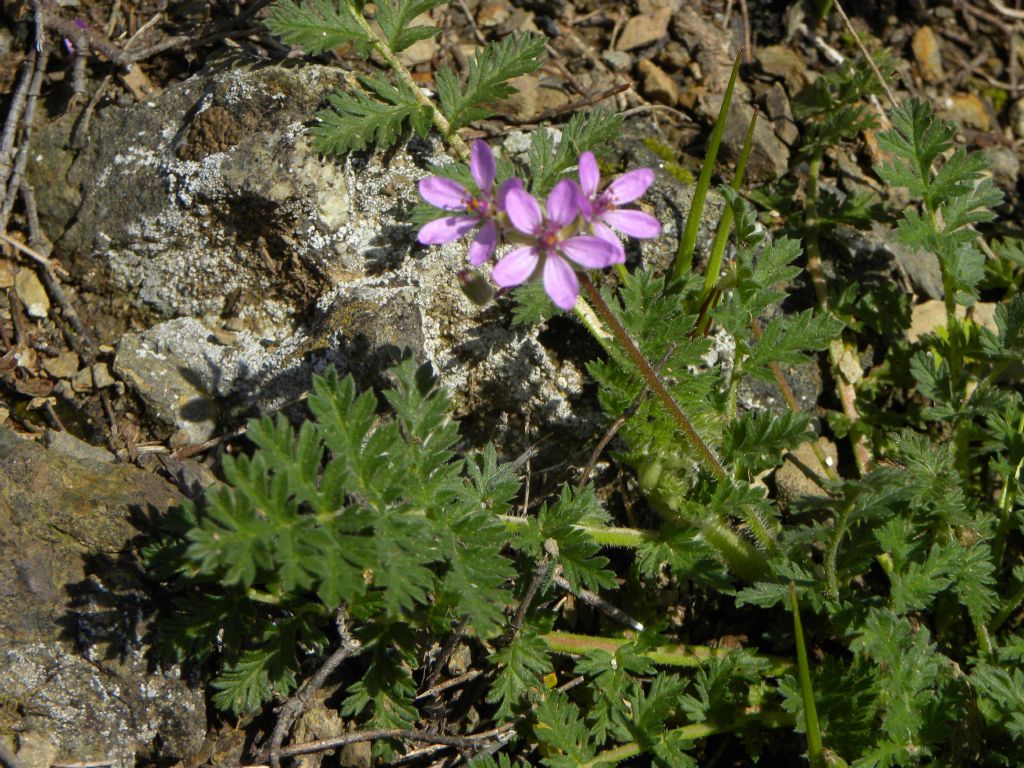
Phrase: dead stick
pixel 297 704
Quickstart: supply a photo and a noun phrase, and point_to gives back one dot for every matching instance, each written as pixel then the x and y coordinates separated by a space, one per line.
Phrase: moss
pixel 996 96
pixel 671 162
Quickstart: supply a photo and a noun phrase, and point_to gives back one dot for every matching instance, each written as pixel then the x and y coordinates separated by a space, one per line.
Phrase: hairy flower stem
pixel 664 655
pixel 754 715
pixel 836 349
pixel 653 380
pixel 630 538
pixel 402 73
pixel 832 555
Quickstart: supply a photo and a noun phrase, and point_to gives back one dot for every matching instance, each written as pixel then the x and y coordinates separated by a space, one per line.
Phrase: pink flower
pixel 602 210
pixel 479 211
pixel 551 252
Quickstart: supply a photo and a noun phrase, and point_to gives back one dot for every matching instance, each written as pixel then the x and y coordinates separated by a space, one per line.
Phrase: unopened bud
pixel 476 287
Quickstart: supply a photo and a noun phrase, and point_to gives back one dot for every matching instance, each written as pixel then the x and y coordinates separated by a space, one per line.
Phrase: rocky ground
pixel 175 256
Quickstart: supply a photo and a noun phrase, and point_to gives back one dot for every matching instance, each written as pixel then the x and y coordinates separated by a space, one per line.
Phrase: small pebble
pixel 32 293
pixel 101 377
pixel 82 381
pixel 63 366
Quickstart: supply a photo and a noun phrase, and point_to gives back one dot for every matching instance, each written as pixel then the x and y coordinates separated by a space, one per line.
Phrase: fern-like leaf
pixel 490 69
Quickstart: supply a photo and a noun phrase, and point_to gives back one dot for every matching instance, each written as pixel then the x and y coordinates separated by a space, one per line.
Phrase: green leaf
pixel 522 666
pixel 395 18
pixel 257 675
pixel 490 69
pixel 318 25
pixel 560 727
pixel 757 440
pixel 589 131
pixel 356 120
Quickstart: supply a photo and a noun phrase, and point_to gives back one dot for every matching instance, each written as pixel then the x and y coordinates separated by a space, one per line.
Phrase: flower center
pixel 478 206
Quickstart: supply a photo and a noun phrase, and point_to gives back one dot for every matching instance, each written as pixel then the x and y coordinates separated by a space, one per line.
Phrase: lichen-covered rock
pixel 73 668
pixel 209 204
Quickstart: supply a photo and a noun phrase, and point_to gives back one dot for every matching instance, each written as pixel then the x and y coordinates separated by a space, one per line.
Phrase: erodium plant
pixel 373 544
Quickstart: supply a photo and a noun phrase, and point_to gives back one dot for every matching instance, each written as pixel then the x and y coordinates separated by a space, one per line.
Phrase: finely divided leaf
pixel 317 25
pixel 395 18
pixel 355 120
pixel 490 69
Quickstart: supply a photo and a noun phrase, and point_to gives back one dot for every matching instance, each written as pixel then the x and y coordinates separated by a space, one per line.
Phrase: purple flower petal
pixel 482 247
pixel 633 223
pixel 516 268
pixel 605 233
pixel 523 211
pixel 560 282
pixel 629 186
pixel 590 174
pixel 564 203
pixel 444 193
pixel 446 230
pixel 591 252
pixel 503 190
pixel 481 165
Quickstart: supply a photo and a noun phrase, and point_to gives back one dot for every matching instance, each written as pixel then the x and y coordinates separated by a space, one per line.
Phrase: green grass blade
pixel 684 257
pixel 722 235
pixel 814 749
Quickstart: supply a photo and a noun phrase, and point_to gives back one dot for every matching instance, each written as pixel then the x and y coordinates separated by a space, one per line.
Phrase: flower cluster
pixel 572 232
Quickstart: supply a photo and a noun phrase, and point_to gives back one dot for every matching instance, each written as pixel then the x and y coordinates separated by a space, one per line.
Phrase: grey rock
pixel 71 615
pixel 920 267
pixel 779 112
pixel 209 202
pixel 171 367
pixel 69 445
pixel 619 61
pixel 1005 165
pixel 769 157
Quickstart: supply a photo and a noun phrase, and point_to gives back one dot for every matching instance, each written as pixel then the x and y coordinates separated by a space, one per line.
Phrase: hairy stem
pixel 402 73
pixel 764 718
pixel 653 380
pixel 832 555
pixel 607 537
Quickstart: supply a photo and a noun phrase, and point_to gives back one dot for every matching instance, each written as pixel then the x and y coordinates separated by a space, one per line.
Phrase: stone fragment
pixel 101 377
pixel 63 366
pixel 32 293
pixel 421 51
pixel 928 55
pixel 551 97
pixel 1004 164
pixel 492 14
pixel 67 444
pixel 82 381
pixel 783 62
pixel 618 61
pixel 673 58
pixel 167 384
pixel 967 109
pixel 769 157
pixel 522 105
pixel 656 85
pixel 928 316
pixel 778 111
pixel 644 29
pixel 801 472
